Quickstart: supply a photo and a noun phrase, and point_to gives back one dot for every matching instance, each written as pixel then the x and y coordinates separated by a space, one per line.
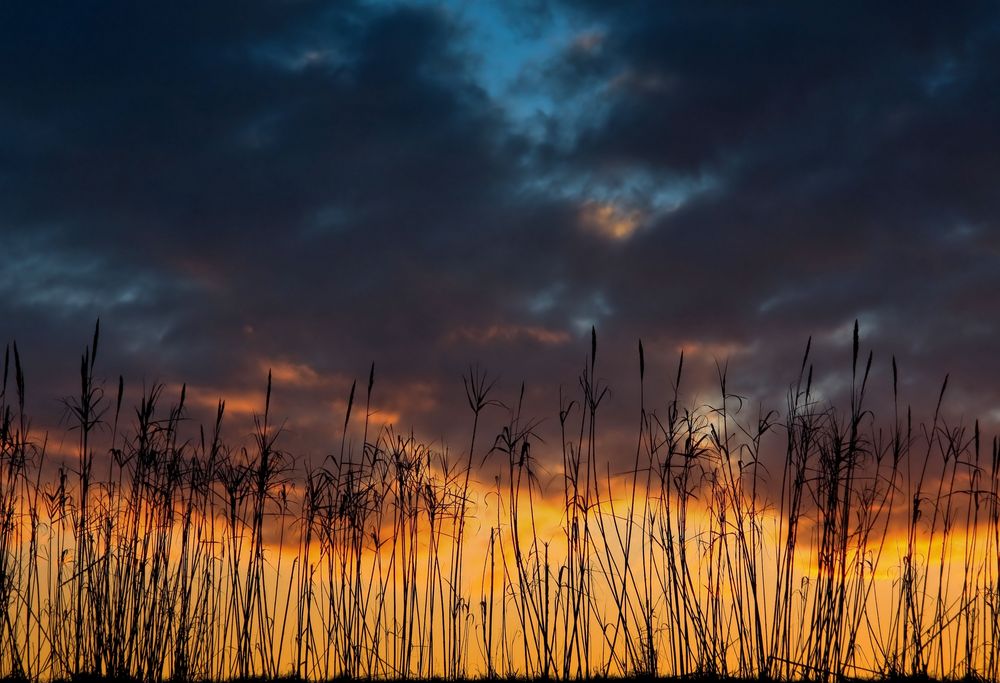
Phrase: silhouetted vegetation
pixel 873 552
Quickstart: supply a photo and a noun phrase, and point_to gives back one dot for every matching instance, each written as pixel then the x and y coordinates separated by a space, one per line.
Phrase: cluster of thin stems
pixel 821 544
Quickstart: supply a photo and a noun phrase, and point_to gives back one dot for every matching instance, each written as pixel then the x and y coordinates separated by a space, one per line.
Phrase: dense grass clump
pixel 153 553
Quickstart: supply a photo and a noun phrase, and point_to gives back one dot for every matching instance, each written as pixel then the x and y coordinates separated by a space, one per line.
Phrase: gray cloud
pixel 323 185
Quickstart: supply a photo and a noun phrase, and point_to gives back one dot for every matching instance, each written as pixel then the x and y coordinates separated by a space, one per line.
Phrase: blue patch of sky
pixel 505 51
pixel 508 55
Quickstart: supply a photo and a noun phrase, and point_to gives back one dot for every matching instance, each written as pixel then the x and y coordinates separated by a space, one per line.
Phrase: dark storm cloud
pixel 322 182
pixel 326 184
pixel 851 151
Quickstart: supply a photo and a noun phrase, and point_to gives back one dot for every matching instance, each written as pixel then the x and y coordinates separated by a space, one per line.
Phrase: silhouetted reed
pixel 158 550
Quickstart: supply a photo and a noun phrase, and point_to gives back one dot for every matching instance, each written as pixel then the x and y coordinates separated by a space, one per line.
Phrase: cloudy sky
pixel 315 186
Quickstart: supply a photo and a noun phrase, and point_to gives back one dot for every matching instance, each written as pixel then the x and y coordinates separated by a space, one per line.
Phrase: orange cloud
pixel 610 220
pixel 293 374
pixel 238 401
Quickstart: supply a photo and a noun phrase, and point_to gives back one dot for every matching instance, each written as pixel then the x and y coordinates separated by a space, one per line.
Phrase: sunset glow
pixel 449 340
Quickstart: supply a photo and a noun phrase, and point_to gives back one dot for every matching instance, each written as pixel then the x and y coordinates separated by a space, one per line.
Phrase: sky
pixel 312 187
